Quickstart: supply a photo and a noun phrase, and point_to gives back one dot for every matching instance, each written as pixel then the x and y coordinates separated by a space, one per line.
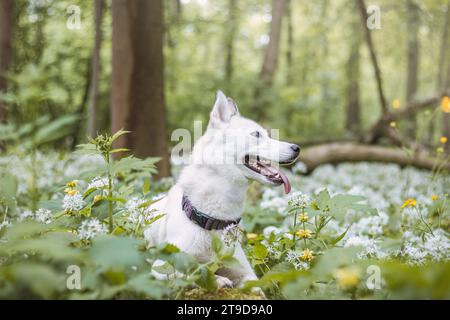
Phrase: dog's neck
pixel 214 191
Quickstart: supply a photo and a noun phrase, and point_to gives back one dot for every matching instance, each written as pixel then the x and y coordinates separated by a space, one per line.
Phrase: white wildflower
pixel 271 250
pixel 43 215
pixel 5 224
pixel 292 256
pixel 437 245
pixel 98 183
pixel 301 265
pixel 73 202
pixel 138 212
pixel 372 225
pixel 300 167
pixel 27 214
pixel 369 247
pixel 91 228
pixel 271 229
pixel 416 256
pixel 299 200
pixel 231 235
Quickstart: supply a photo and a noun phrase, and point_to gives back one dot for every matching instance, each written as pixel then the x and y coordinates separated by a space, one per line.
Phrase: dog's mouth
pixel 264 168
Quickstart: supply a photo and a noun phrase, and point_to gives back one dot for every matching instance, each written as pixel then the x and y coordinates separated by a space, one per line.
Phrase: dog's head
pixel 242 145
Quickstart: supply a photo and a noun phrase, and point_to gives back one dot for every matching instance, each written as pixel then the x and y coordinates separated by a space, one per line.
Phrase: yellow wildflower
pixel 445 104
pixel 347 278
pixel 71 184
pixel 303 217
pixel 434 197
pixel 409 203
pixel 393 124
pixel 440 150
pixel 443 140
pixel 251 236
pixel 72 192
pixel 97 198
pixel 396 104
pixel 307 255
pixel 304 233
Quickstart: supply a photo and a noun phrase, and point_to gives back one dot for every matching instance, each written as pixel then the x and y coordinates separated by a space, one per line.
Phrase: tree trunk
pixel 413 59
pixel 335 153
pixel 6 36
pixel 353 117
pixel 441 76
pixel 95 72
pixel 270 62
pixel 290 44
pixel 229 42
pixel 137 79
pixel 373 55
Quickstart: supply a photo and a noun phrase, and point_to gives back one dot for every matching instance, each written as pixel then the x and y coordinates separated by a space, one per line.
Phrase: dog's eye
pixel 256 134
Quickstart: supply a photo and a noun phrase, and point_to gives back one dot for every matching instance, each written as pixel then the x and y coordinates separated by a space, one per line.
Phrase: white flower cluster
pixel 53 169
pixel 41 215
pixel 231 235
pixel 98 183
pixel 73 202
pixel 369 247
pixel 138 213
pixel 434 246
pixel 273 201
pixel 90 228
pixel 299 200
pixel 5 224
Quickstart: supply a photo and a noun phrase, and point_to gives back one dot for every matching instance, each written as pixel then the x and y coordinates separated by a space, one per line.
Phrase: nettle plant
pixel 282 257
pixel 89 244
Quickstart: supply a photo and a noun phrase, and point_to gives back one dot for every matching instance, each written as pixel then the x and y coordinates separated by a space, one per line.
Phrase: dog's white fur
pixel 216 188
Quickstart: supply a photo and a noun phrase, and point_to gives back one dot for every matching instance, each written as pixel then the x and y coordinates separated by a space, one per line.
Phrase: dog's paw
pixel 223 282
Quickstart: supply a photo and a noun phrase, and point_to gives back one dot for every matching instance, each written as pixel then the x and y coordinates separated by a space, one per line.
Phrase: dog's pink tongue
pixel 287 185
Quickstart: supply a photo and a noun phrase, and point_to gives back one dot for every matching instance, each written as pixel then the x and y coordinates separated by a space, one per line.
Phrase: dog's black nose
pixel 295 148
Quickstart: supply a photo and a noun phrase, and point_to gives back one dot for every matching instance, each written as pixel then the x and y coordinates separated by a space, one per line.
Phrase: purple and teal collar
pixel 202 219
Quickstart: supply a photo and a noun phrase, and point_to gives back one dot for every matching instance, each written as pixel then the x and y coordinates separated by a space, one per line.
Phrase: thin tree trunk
pixel 325 119
pixel 290 44
pixel 6 37
pixel 353 116
pixel 270 62
pixel 373 55
pixel 446 79
pixel 229 42
pixel 413 59
pixel 137 79
pixel 441 76
pixel 95 73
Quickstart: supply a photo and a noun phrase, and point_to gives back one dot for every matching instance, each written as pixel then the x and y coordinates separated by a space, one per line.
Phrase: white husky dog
pixel 210 192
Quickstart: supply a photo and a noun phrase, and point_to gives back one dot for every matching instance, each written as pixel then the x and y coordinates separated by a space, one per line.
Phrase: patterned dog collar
pixel 202 219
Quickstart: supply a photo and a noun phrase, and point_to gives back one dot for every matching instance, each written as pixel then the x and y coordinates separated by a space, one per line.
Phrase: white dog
pixel 210 192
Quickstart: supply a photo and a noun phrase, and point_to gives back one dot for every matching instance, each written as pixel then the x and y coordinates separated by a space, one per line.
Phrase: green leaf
pixel 154 289
pixel 115 277
pixel 206 279
pixel 112 251
pixel 259 251
pixel 38 279
pixel 118 134
pixel 340 237
pixel 8 190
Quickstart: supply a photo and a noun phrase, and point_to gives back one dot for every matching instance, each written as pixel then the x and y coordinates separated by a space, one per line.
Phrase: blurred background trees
pixel 309 68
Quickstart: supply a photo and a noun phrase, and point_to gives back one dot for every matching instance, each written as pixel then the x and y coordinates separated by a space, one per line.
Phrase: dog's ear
pixel 223 110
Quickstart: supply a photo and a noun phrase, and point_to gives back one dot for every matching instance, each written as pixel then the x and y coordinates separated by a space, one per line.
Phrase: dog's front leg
pixel 243 272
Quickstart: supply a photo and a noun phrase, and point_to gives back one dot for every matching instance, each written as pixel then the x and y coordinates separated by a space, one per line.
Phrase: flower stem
pixel 110 205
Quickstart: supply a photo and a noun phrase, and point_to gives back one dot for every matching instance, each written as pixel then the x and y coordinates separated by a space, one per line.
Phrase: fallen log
pixel 334 153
